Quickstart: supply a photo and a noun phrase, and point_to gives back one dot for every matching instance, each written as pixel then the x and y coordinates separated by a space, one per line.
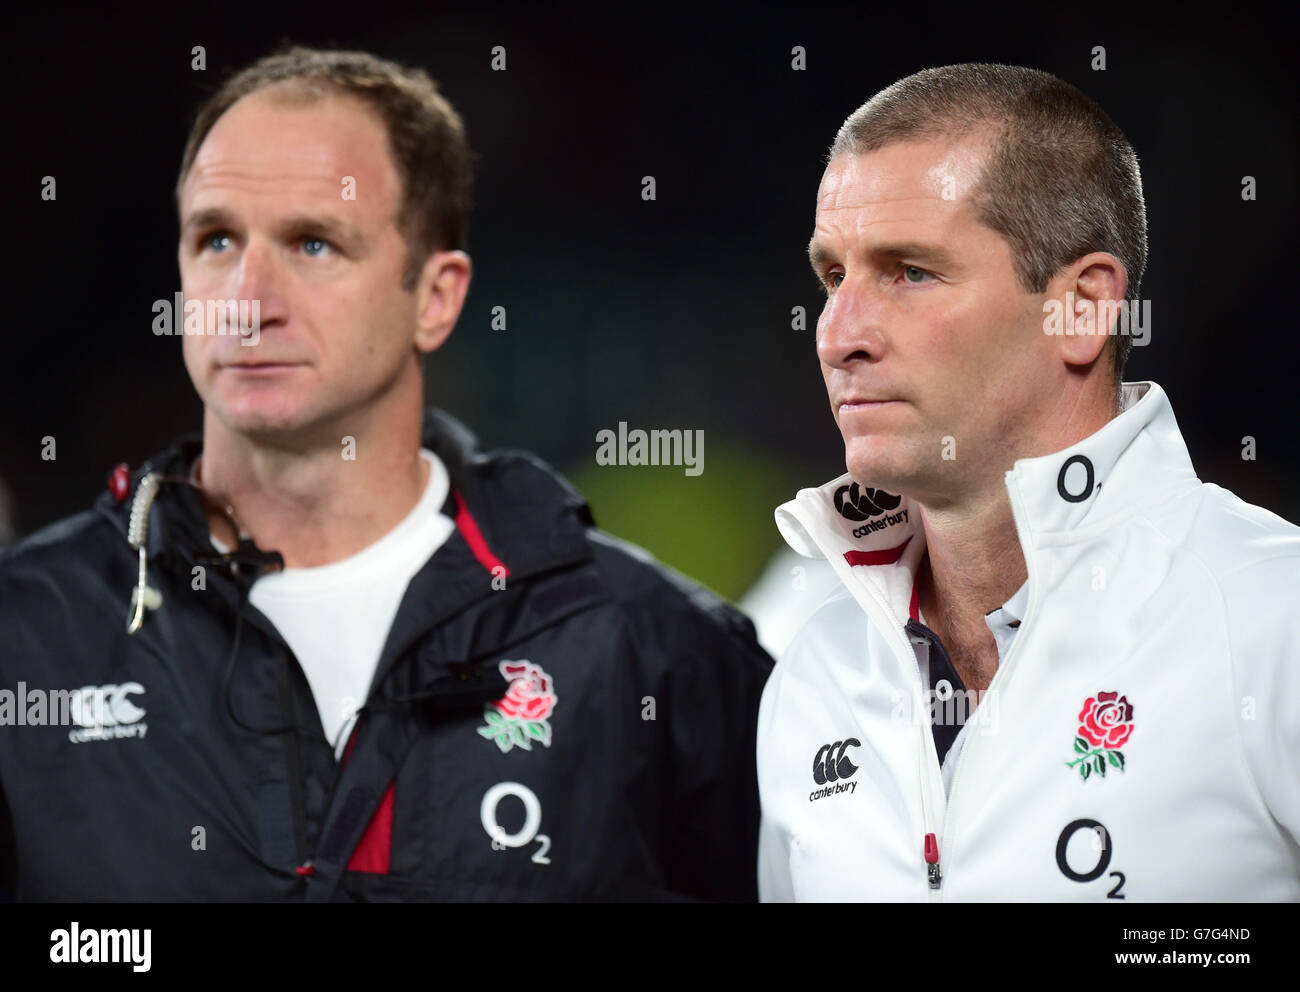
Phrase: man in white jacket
pixel 1057 665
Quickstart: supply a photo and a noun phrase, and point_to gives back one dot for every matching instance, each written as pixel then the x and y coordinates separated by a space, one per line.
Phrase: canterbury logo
pixel 106 712
pixel 106 705
pixel 832 763
pixel 862 502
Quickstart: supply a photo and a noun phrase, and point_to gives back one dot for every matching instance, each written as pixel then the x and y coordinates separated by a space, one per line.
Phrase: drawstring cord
pixel 136 532
pixel 144 596
pixel 245 563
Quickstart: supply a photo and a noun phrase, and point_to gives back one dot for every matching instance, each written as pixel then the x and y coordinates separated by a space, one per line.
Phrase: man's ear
pixel 439 295
pixel 1090 293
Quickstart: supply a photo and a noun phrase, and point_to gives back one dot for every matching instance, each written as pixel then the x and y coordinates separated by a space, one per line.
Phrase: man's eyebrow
pixel 925 254
pixel 207 217
pixel 819 256
pixel 332 228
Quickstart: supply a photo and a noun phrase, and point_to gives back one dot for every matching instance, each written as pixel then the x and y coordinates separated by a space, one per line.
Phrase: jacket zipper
pixel 928 754
pixel 1000 678
pixel 930 843
pixel 930 847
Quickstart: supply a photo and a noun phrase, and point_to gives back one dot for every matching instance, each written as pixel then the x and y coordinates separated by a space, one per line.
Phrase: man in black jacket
pixel 327 650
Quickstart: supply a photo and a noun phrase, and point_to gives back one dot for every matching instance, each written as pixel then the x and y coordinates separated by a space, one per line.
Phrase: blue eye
pixel 909 269
pixel 215 242
pixel 830 282
pixel 315 246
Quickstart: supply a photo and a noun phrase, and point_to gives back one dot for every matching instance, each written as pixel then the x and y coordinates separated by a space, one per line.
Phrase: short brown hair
pixel 426 136
pixel 1060 180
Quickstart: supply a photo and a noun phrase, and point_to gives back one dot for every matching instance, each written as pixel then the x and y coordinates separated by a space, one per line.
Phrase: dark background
pixel 668 314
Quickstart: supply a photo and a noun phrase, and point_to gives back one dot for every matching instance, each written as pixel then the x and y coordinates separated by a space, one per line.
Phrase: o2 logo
pixel 1100 847
pixel 526 834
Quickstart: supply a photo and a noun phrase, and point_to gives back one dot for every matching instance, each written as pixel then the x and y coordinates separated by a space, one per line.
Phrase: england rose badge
pixel 519 718
pixel 1105 725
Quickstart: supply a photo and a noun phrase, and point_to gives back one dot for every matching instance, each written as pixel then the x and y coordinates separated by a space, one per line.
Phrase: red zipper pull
pixel 119 483
pixel 932 860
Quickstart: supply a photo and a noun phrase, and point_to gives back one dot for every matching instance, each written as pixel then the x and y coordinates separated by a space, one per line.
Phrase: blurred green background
pixel 716 527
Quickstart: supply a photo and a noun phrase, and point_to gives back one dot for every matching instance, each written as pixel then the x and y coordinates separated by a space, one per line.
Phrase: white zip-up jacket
pixel 1140 739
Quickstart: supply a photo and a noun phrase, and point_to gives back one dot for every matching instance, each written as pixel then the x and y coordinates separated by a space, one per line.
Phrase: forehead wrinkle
pixel 928 241
pixel 863 209
pixel 291 166
pixel 231 177
pixel 234 175
pixel 851 186
pixel 886 202
pixel 918 227
pixel 308 147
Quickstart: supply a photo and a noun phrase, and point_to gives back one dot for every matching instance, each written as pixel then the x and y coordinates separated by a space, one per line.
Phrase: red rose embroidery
pixel 518 719
pixel 1106 720
pixel 529 696
pixel 1105 725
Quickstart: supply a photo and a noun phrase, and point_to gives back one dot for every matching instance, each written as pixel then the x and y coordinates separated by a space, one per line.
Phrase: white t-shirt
pixel 336 617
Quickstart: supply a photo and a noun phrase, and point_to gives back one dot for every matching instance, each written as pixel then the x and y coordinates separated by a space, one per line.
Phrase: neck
pixel 311 502
pixel 973 563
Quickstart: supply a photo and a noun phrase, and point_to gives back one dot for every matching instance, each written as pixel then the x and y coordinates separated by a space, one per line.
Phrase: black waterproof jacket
pixel 187 761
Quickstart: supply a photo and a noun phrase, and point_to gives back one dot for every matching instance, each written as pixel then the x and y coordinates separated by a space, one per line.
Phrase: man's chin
pixel 874 463
pixel 260 420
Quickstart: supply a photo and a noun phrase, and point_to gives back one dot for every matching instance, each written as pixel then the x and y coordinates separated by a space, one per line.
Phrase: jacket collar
pixel 525 512
pixel 875 540
pixel 1134 461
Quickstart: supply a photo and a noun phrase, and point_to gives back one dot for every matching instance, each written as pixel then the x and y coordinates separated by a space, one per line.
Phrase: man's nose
pixel 254 277
pixel 258 276
pixel 849 326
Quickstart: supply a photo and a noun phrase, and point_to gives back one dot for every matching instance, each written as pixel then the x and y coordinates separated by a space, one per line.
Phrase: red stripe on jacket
pixel 373 852
pixel 886 557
